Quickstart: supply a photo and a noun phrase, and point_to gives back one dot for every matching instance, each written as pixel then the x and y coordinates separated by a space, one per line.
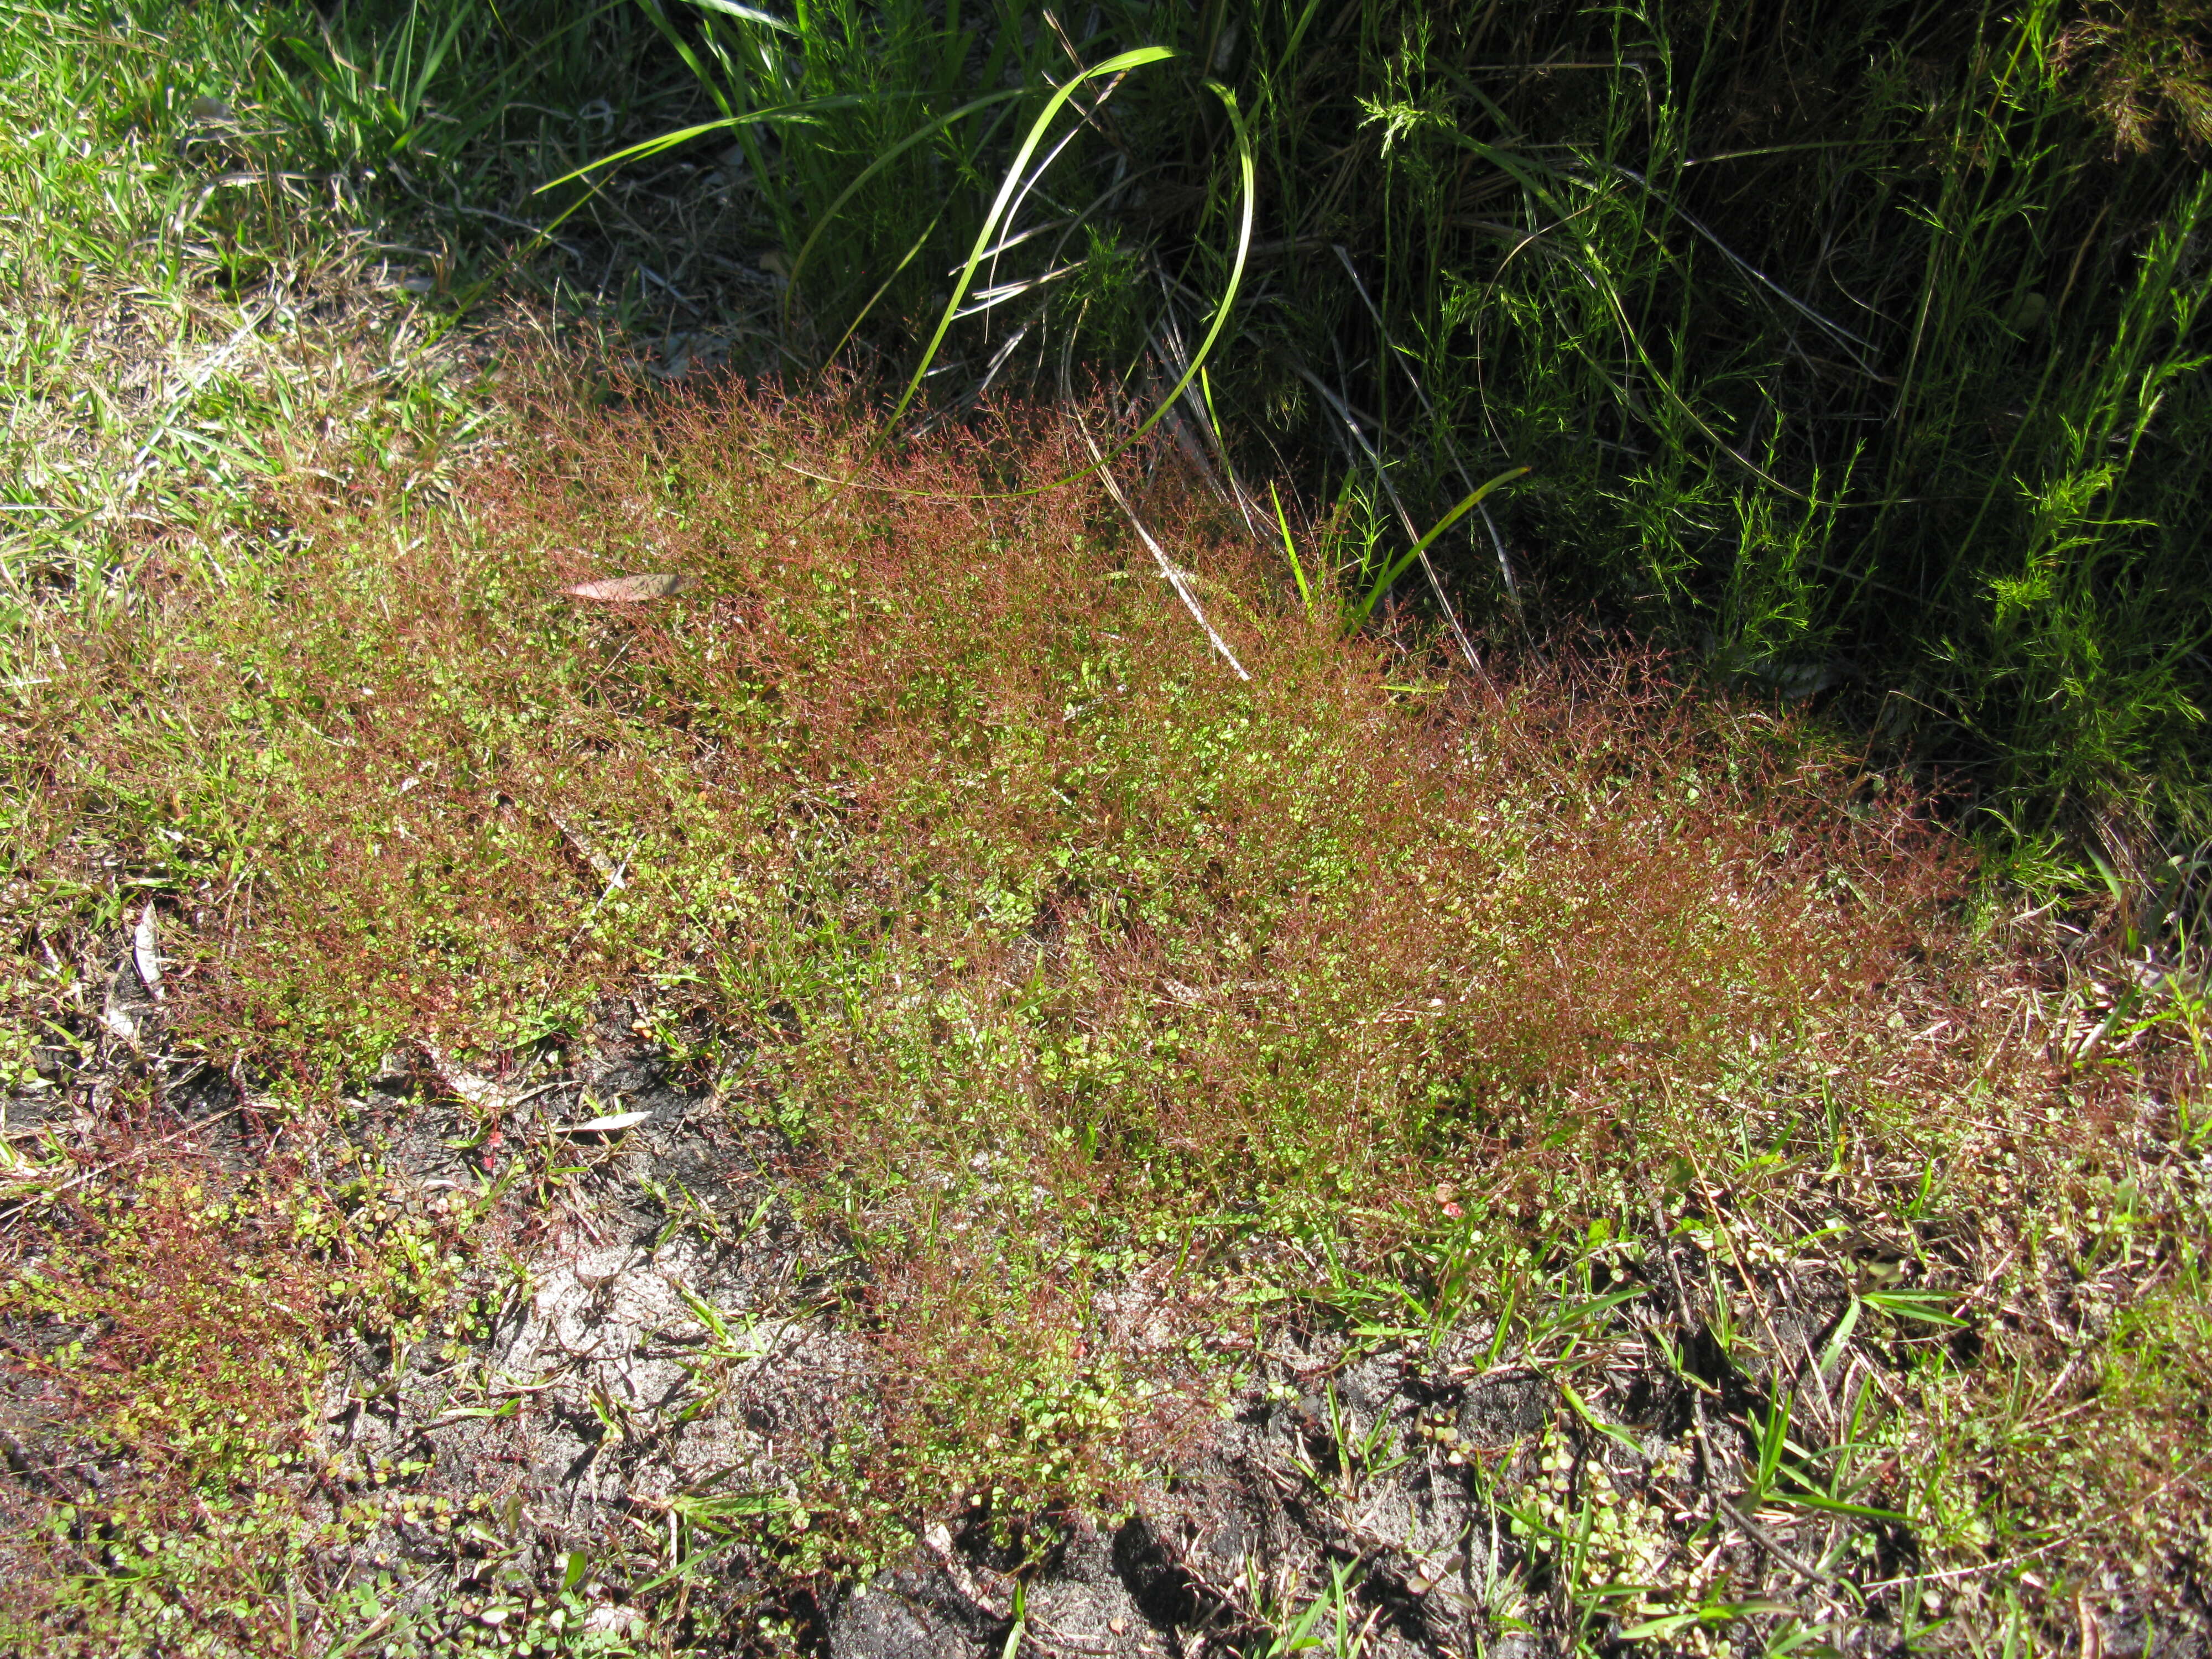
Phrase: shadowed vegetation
pixel 1856 349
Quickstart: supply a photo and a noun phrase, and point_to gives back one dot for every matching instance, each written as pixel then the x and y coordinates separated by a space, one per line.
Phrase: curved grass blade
pixel 822 221
pixel 882 287
pixel 1405 561
pixel 985 241
pixel 1008 191
pixel 1247 181
pixel 1198 358
pixel 802 112
pixel 747 15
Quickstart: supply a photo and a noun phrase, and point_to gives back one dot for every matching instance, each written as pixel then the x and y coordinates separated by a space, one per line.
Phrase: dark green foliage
pixel 1858 348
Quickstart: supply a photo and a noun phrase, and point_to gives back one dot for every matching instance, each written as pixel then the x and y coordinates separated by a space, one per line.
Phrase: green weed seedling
pixel 1710 1619
pixel 1332 1620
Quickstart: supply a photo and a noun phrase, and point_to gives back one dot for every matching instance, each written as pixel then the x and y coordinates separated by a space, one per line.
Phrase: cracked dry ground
pixel 657 1358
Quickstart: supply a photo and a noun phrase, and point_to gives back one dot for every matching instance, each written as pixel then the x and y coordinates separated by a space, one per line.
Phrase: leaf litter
pixel 634 589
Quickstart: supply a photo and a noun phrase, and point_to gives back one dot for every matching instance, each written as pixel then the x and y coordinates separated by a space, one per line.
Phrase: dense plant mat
pixel 1858 352
pixel 885 1094
pixel 1857 349
pixel 665 1031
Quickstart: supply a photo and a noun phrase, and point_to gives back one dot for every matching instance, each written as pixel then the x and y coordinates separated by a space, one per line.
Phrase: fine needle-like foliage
pixel 1862 356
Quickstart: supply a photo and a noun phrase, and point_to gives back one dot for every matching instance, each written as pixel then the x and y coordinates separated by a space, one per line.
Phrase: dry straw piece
pixel 634 589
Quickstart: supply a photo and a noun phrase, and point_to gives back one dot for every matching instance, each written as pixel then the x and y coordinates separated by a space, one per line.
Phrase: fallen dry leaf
pixel 145 951
pixel 629 590
pixel 604 1126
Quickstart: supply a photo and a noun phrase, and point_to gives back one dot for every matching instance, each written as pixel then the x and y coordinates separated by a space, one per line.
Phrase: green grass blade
pixel 1290 551
pixel 828 214
pixel 1007 190
pixel 803 111
pixel 746 14
pixel 1405 561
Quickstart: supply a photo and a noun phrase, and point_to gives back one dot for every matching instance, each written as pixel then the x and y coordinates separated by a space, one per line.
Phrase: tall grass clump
pixel 1858 349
